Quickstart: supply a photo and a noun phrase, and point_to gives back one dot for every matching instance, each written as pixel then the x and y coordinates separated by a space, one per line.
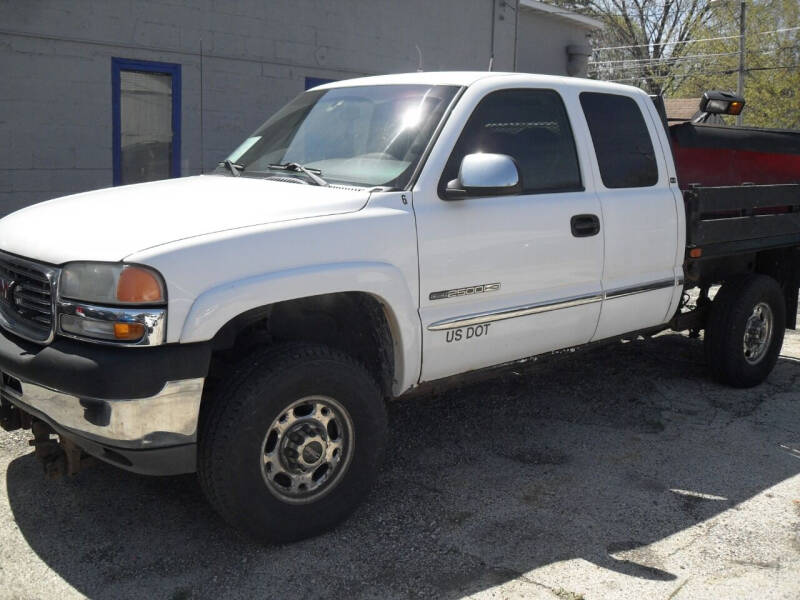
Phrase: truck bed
pixel 741 188
pixel 715 155
pixel 742 228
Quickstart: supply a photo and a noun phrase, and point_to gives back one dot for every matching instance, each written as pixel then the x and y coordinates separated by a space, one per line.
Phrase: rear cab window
pixel 529 125
pixel 621 140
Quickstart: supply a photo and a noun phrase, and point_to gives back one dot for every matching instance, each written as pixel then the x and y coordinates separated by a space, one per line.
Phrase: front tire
pixel 745 329
pixel 291 442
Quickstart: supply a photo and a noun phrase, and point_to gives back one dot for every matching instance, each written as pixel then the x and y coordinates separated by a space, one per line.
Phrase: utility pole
pixel 742 30
pixel 740 86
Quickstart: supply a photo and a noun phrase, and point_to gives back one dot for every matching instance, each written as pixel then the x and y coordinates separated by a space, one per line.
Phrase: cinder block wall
pixel 55 70
pixel 543 47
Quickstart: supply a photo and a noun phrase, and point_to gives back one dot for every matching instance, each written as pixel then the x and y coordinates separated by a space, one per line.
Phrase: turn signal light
pixel 734 108
pixel 102 330
pixel 128 331
pixel 695 252
pixel 139 285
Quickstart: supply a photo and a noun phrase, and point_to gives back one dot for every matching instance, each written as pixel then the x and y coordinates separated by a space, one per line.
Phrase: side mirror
pixel 485 175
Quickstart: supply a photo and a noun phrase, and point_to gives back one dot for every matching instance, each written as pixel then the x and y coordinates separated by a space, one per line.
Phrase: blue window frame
pixel 119 65
pixel 315 81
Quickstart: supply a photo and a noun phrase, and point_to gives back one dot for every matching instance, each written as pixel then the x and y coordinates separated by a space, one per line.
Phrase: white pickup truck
pixel 374 235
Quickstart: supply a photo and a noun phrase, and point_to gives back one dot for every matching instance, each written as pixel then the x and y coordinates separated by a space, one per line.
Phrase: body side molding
pixel 550 305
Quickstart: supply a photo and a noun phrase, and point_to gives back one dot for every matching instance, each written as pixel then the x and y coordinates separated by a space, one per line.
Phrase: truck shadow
pixel 593 457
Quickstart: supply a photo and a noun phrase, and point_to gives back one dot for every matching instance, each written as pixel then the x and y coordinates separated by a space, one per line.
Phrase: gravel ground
pixel 621 472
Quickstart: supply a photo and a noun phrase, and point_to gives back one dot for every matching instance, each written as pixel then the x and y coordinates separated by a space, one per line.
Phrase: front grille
pixel 26 298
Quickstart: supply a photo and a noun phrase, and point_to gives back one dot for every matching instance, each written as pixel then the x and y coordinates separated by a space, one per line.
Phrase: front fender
pixel 217 306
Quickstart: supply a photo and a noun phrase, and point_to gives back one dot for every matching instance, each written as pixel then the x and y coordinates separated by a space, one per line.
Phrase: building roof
pixel 682 108
pixel 561 13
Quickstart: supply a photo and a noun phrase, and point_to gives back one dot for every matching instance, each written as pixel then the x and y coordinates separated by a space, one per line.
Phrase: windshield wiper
pixel 313 174
pixel 233 167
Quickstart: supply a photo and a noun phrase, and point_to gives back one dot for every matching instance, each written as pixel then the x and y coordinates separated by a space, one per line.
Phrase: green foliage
pixel 772 62
pixel 666 48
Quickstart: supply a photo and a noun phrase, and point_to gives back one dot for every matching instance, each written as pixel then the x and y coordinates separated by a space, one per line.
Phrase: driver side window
pixel 531 126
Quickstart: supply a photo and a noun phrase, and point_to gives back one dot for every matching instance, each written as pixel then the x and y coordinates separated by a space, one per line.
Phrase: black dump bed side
pixel 743 218
pixel 744 228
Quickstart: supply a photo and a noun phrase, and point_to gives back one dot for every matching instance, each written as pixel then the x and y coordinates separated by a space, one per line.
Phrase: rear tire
pixel 291 442
pixel 745 329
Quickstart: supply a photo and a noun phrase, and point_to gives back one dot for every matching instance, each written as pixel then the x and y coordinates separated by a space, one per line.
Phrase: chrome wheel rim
pixel 758 333
pixel 307 449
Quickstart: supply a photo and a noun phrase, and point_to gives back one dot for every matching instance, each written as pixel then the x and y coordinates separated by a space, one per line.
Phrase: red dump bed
pixel 715 155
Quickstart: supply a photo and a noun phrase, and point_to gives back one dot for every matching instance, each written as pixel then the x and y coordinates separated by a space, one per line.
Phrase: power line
pixel 656 63
pixel 660 58
pixel 772 68
pixel 724 37
pixel 670 59
pixel 597 16
pixel 676 76
pixel 713 39
pixel 699 74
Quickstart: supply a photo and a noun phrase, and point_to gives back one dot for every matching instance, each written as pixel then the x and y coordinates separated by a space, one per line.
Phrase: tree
pixel 772 61
pixel 645 42
pixel 685 47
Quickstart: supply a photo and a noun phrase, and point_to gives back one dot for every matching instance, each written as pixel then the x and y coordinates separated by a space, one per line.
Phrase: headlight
pixel 111 302
pixel 111 283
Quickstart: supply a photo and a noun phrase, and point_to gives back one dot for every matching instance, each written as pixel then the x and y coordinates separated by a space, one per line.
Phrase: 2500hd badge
pixel 465 291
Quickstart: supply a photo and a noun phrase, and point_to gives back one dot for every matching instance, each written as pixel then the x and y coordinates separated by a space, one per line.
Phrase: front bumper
pixel 135 408
pixel 153 436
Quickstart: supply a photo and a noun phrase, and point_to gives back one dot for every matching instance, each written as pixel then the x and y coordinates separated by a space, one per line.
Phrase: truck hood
pixel 110 224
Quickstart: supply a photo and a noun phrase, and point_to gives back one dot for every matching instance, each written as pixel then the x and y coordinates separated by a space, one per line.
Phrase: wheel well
pixel 353 322
pixel 782 264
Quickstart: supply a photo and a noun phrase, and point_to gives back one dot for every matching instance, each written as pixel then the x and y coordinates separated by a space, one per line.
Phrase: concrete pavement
pixel 621 472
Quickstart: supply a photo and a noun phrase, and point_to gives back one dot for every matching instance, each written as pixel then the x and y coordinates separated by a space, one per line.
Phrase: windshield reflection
pixel 361 135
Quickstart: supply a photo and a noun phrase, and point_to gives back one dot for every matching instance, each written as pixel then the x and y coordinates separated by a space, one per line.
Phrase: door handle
pixel 585 225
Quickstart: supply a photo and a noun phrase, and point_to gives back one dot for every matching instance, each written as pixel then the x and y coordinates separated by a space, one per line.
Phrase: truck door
pixel 507 277
pixel 639 214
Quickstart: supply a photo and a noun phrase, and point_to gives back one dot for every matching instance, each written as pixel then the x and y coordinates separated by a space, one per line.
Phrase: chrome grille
pixel 26 298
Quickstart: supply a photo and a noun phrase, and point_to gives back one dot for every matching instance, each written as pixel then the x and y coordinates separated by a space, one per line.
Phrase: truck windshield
pixel 365 135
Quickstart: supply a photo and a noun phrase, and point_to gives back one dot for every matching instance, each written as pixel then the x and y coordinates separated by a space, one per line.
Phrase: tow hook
pixel 59 456
pixel 10 416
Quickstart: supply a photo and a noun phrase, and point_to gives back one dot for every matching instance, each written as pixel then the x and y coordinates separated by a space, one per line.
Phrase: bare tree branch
pixel 644 32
